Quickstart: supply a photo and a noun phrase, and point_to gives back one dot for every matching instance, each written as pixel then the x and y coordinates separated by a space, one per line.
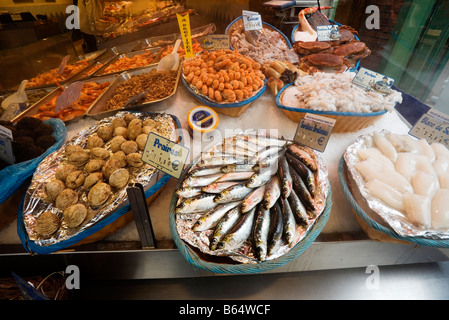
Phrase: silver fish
pixel 264 140
pixel 223 226
pixel 201 181
pixel 307 158
pixel 237 192
pixel 267 152
pixel 247 145
pixel 290 233
pixel 239 232
pixel 260 178
pixel 188 192
pixel 260 232
pixel 234 150
pixel 235 176
pixel 254 198
pixel 204 171
pixel 276 229
pixel 301 190
pixel 298 209
pixel 218 187
pixel 200 203
pixel 272 192
pixel 306 174
pixel 210 218
pixel 285 177
pixel 237 168
pixel 222 160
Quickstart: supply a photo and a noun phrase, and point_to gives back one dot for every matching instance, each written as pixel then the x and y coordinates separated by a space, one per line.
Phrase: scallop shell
pixel 99 194
pixel 75 215
pixel 119 178
pixel 47 224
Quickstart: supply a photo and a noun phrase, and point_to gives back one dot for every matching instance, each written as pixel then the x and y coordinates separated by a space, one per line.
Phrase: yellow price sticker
pixel 184 27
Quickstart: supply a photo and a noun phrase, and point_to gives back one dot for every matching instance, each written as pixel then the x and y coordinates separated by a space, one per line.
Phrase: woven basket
pixel 226 265
pixel 345 121
pixel 370 223
pixel 229 109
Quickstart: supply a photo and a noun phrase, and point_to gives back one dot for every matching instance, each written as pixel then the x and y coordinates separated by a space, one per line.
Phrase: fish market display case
pixel 151 248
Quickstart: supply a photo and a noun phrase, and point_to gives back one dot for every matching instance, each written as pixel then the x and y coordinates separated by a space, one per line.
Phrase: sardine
pixel 218 187
pixel 264 140
pixel 204 171
pixel 234 150
pixel 267 152
pixel 210 218
pixel 298 209
pixel 234 193
pixel 201 181
pixel 261 229
pixel 223 226
pixel 260 178
pixel 272 192
pixel 308 159
pixel 188 192
pixel 254 198
pixel 239 232
pixel 268 162
pixel 306 174
pixel 235 176
pixel 301 190
pixel 289 222
pixel 222 160
pixel 251 147
pixel 276 229
pixel 285 177
pixel 237 168
pixel 200 203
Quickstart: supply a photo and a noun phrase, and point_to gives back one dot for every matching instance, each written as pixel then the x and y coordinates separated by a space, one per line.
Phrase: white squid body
pixel 440 209
pixel 418 209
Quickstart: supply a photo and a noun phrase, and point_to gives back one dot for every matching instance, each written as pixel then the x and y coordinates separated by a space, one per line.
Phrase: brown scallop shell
pixel 47 224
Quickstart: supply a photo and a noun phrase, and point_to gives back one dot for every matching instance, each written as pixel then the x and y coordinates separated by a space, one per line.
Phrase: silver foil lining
pixel 245 253
pixel 393 218
pixel 35 204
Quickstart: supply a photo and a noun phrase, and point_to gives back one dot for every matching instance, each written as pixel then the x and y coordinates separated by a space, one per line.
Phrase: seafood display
pixel 52 76
pixel 263 46
pixel 85 180
pixel 155 84
pixel 405 180
pixel 328 56
pixel 90 91
pixel 252 197
pixel 336 92
pixel 196 48
pixel 126 63
pixel 223 76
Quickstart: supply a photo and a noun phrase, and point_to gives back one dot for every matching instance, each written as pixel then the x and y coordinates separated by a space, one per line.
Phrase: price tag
pixel 63 64
pixel 251 20
pixel 184 27
pixel 328 33
pixel 432 126
pixel 371 80
pixel 214 41
pixel 6 152
pixel 68 96
pixel 165 155
pixel 314 131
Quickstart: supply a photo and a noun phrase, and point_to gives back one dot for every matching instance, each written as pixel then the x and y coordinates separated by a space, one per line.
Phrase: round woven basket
pixel 373 227
pixel 228 266
pixel 230 109
pixel 345 121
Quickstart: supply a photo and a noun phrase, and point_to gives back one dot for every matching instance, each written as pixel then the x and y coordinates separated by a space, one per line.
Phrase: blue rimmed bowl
pixel 265 25
pixel 345 121
pixel 230 109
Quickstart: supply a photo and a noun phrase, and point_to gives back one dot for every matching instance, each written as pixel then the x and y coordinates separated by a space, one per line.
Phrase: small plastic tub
pixel 202 120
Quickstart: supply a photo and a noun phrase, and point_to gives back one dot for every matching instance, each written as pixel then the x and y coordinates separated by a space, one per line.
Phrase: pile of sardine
pixel 252 191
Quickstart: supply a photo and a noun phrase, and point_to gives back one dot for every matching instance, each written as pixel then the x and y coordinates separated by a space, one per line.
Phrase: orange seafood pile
pixel 89 93
pixel 51 77
pixel 126 63
pixel 196 48
pixel 224 76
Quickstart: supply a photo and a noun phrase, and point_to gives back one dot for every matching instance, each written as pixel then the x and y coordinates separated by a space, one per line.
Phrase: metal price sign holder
pixel 139 208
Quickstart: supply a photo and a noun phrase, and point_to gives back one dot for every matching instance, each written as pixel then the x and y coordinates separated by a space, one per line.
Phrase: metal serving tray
pixel 156 51
pixel 34 109
pixel 97 109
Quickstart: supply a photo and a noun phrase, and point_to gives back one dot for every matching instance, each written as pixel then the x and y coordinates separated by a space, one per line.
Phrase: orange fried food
pixel 125 63
pixel 51 77
pixel 89 93
pixel 196 48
